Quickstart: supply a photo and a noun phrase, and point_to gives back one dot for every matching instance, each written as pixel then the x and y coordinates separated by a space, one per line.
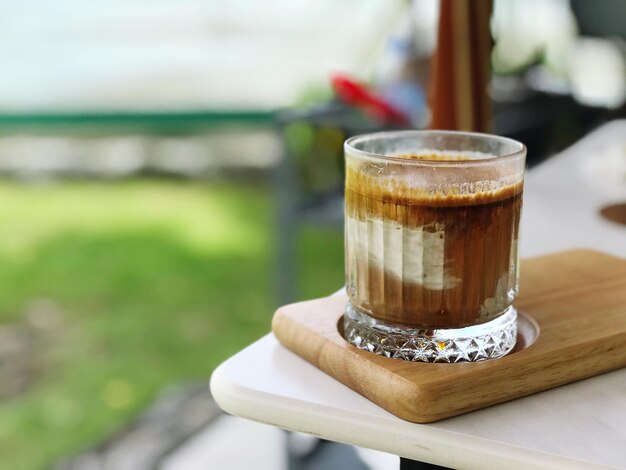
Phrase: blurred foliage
pixel 314 94
pixel 318 153
pixel 152 282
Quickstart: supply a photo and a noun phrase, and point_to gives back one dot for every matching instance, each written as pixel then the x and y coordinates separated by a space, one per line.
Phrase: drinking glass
pixel 431 244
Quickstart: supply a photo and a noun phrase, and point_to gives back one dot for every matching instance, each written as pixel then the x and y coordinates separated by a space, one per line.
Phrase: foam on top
pixel 433 186
pixel 440 155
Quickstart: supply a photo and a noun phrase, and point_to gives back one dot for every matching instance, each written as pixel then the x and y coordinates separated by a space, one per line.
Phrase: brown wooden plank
pixel 577 299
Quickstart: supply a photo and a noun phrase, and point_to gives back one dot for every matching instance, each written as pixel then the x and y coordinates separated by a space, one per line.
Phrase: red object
pixel 356 94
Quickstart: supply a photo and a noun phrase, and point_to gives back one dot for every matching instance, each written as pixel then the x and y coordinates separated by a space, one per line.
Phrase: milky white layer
pixel 412 254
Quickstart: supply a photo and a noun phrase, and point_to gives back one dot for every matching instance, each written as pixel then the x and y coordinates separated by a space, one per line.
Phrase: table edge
pixel 463 452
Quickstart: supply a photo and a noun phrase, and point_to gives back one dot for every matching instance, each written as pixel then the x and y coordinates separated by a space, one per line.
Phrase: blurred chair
pixel 309 178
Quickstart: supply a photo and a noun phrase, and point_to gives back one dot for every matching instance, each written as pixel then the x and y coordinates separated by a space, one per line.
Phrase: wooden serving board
pixel 572 326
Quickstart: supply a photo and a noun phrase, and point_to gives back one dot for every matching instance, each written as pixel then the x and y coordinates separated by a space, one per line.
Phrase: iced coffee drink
pixel 431 231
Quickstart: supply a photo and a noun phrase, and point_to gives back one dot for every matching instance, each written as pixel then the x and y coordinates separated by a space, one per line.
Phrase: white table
pixel 581 425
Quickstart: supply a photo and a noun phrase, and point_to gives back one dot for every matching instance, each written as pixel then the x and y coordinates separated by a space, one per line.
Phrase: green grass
pixel 155 283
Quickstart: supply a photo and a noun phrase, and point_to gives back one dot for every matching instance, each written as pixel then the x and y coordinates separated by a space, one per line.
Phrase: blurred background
pixel 171 172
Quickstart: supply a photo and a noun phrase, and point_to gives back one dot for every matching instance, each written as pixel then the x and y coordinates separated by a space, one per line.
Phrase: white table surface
pixel 580 425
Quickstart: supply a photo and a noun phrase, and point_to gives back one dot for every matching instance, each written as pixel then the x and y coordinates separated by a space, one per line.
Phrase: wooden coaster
pixel 574 326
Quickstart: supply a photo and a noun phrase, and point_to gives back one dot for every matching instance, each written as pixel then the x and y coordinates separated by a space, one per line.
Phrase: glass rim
pixel 350 148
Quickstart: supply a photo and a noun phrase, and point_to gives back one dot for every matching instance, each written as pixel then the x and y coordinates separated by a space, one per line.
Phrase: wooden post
pixel 461 67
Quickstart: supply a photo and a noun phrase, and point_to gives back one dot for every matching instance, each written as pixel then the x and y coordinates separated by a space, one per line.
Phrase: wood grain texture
pixel 577 299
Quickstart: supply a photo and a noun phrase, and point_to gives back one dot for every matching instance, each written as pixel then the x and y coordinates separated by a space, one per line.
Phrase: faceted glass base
pixel 474 343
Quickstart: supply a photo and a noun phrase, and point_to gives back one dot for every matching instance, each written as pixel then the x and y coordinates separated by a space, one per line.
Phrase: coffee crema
pixel 431 248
